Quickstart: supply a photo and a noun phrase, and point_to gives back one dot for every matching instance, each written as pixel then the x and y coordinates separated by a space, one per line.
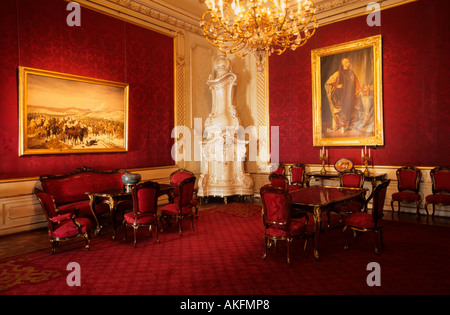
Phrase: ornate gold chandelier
pixel 260 27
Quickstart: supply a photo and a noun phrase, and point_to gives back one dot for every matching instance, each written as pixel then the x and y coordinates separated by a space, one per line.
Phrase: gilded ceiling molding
pixel 327 11
pixel 156 14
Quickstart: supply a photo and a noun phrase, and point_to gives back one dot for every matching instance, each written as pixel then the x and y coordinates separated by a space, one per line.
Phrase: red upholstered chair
pixel 279 180
pixel 298 176
pixel 183 205
pixel 279 169
pixel 145 208
pixel 177 177
pixel 278 225
pixel 370 222
pixel 440 179
pixel 352 179
pixel 63 226
pixel 408 187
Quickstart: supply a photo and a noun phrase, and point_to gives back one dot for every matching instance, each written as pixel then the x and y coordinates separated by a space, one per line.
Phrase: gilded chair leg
pixel 53 246
pixel 157 235
pixel 179 226
pixel 425 207
pixel 346 246
pixel 87 240
pixel 377 247
pixel 288 251
pixel 266 244
pixel 135 232
pixel 192 222
pixel 124 227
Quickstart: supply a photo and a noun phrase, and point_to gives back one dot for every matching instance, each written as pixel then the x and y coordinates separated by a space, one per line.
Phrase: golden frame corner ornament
pixel 347 93
pixel 66 114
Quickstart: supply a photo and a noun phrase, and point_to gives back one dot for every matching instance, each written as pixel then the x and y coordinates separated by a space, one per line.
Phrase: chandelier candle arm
pixel 260 27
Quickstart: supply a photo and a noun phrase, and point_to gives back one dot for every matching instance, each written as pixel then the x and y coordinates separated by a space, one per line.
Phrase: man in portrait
pixel 344 98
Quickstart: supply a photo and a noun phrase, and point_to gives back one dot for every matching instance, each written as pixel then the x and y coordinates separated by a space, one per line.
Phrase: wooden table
pixel 323 198
pixel 114 197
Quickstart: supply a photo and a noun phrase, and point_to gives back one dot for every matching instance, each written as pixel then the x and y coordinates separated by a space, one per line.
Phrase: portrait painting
pixel 347 94
pixel 65 114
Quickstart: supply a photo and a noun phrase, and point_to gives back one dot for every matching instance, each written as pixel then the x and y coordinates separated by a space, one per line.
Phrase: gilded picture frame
pixel 66 114
pixel 347 94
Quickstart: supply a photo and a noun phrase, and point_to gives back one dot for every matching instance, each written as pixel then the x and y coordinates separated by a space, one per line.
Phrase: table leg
pixel 112 212
pixel 318 223
pixel 92 206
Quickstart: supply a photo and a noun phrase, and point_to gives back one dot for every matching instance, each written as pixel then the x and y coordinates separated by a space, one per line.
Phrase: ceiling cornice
pixel 163 14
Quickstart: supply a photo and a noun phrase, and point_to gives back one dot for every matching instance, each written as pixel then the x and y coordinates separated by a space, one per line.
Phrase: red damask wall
pixel 35 34
pixel 415 87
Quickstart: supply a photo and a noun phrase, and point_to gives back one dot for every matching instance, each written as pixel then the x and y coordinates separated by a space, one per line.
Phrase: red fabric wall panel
pixel 35 34
pixel 415 92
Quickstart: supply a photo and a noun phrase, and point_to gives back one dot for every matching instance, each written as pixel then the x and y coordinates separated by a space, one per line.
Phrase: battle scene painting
pixel 60 113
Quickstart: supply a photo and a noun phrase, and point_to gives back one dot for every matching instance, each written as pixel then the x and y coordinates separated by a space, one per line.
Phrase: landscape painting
pixel 62 114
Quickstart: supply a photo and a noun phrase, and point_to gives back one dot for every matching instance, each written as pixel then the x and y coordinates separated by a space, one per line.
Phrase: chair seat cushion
pixel 297 228
pixel 84 208
pixel 405 196
pixel 361 220
pixel 294 187
pixel 68 229
pixel 145 218
pixel 172 209
pixel 436 199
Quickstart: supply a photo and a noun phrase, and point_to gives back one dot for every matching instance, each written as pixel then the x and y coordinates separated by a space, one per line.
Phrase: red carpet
pixel 223 257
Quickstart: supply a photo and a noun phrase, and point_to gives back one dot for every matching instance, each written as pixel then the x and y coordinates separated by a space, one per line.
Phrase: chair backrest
pixel 278 180
pixel 279 169
pixel 352 178
pixel 276 206
pixel 47 203
pixel 179 175
pixel 409 178
pixel 379 196
pixel 440 178
pixel 186 191
pixel 145 197
pixel 298 174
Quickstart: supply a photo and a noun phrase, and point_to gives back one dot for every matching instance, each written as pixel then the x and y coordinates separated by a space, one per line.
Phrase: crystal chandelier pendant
pixel 259 27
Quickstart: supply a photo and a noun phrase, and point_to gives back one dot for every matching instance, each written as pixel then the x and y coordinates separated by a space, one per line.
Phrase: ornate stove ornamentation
pixel 224 150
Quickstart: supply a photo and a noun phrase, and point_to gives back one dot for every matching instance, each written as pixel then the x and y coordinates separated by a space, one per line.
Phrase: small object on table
pixel 130 180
